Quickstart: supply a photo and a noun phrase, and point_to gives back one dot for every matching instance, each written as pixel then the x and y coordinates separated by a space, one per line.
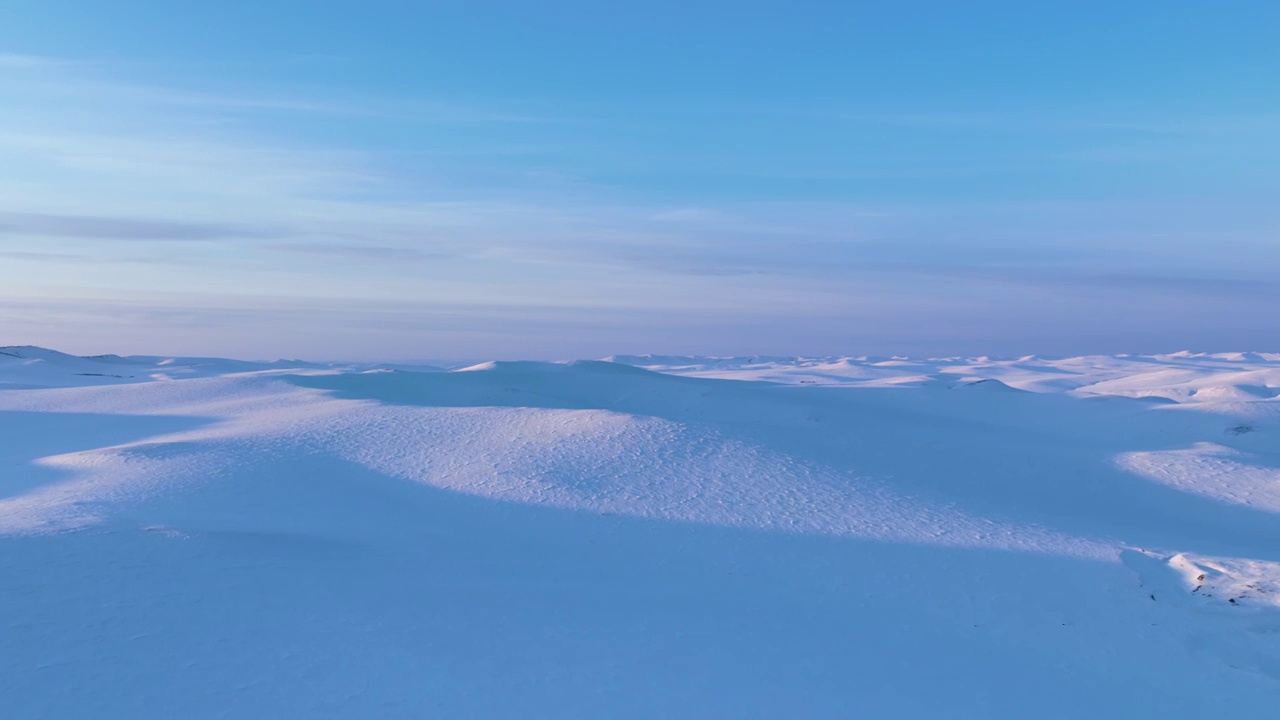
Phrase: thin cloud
pixel 111 228
pixel 43 75
pixel 18 61
pixel 359 253
pixel 42 256
pixel 97 260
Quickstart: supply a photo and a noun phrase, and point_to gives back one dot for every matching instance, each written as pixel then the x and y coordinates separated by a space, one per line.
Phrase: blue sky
pixel 550 180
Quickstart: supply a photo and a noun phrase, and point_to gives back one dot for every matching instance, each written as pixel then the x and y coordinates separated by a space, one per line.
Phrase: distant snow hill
pixel 647 536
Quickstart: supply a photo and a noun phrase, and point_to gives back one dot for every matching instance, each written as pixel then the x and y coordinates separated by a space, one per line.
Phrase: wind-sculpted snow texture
pixel 643 537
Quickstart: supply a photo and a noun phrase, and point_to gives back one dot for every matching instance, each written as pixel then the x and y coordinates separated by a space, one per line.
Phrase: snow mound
pixel 1232 581
pixel 1211 470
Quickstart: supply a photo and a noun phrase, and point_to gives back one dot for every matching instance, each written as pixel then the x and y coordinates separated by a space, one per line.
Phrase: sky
pixel 401 180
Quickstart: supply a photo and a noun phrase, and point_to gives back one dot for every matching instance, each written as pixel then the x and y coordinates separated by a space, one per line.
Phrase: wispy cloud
pixel 44 256
pixel 359 252
pixel 111 228
pixel 82 81
pixel 15 61
pixel 232 193
pixel 1052 120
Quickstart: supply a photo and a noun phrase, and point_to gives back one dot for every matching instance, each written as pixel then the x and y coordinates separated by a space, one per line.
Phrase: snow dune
pixel 651 536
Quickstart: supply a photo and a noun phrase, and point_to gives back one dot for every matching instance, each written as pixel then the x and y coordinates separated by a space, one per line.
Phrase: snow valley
pixel 646 536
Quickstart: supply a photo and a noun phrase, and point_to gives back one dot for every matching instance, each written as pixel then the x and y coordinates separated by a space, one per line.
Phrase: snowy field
pixel 651 537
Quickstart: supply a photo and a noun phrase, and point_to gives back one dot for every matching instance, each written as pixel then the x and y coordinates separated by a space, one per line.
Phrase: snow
pixel 654 536
pixel 1212 470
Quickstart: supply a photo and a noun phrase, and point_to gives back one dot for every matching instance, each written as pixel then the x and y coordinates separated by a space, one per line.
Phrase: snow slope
pixel 649 537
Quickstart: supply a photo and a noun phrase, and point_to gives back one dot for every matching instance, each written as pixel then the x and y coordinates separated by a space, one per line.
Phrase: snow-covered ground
pixel 648 537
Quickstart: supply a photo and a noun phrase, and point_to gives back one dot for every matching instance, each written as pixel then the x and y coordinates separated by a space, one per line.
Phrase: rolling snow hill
pixel 651 536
